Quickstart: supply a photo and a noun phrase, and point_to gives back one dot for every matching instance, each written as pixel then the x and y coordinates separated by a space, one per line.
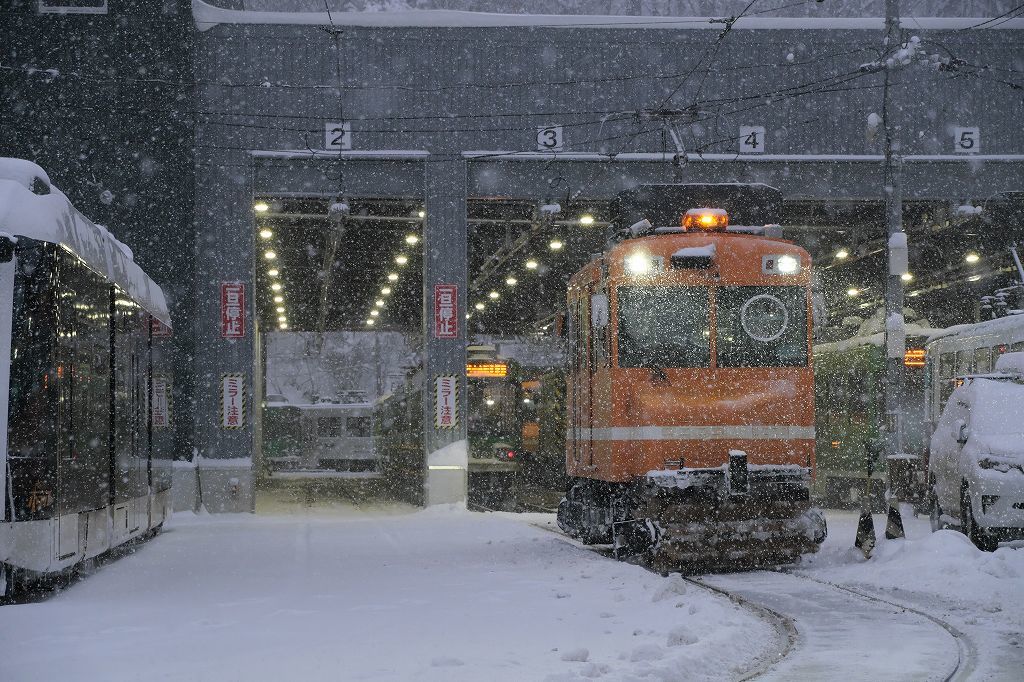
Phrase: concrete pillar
pixel 224 253
pixel 444 359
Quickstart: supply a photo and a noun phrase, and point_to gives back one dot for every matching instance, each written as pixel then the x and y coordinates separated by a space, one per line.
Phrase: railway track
pixel 831 631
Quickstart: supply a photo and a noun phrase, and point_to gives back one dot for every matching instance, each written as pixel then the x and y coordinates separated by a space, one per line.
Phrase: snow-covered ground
pixel 434 595
pixel 942 574
pixel 455 595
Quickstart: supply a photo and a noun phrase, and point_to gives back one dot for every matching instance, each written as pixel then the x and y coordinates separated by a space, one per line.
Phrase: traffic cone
pixel 894 524
pixel 865 541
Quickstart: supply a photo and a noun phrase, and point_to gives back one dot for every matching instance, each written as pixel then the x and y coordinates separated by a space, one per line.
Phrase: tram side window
pixel 982 360
pixel 947 370
pixel 1017 346
pixel 358 427
pixel 32 428
pixel 329 427
pixel 664 326
pixel 762 327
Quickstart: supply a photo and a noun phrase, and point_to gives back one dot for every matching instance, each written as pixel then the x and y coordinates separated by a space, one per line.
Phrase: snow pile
pixel 52 218
pixel 707 251
pixel 22 172
pixel 437 595
pixel 1010 363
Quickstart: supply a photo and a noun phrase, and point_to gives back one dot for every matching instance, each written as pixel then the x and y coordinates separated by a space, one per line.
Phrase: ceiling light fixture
pixel 401 259
pixel 266 234
pixel 261 207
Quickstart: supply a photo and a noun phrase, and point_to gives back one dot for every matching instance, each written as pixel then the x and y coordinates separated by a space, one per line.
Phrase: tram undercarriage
pixel 731 516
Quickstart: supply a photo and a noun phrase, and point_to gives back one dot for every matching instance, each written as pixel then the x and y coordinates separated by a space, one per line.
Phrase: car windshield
pixel 664 326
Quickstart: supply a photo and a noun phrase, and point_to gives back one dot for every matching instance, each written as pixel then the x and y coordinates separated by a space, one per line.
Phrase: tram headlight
pixel 788 265
pixel 638 264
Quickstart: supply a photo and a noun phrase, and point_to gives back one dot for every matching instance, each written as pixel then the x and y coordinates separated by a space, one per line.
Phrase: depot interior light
pixel 842 253
pixel 370 322
pixel 511 281
pixel 261 207
pixel 907 276
pixel 852 292
pixel 972 258
pixel 386 291
pixel 282 318
pixel 479 306
pixel 279 299
pixel 586 219
pixel 974 278
pixel 556 245
pixel 422 214
pixel 411 239
pixel 379 303
pixel 531 264
pixel 282 325
pixel 280 308
pixel 269 255
pixel 276 286
pixel 266 234
pixel 273 272
pixel 401 259
pixel 374 313
pixel 392 276
pixel 494 295
pixel 490 402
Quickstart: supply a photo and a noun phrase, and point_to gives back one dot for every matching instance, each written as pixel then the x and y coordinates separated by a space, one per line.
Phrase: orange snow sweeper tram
pixel 690 393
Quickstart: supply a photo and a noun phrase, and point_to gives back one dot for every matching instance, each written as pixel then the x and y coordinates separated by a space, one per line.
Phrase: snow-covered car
pixel 976 461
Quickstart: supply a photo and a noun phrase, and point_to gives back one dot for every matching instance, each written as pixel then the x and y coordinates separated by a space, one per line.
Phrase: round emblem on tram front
pixel 764 317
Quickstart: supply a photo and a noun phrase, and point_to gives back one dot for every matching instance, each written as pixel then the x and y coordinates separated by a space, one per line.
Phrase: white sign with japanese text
pixel 232 401
pixel 446 401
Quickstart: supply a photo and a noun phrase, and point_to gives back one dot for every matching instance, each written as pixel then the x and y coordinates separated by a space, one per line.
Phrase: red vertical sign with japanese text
pixel 232 310
pixel 446 306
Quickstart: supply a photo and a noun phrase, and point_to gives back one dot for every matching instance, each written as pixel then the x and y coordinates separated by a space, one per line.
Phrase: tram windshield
pixel 762 326
pixel 664 326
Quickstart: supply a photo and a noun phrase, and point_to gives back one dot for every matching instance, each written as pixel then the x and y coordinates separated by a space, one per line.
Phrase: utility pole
pixel 893 188
pixel 895 331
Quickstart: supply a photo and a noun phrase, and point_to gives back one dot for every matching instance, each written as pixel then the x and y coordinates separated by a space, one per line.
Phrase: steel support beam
pixel 445 263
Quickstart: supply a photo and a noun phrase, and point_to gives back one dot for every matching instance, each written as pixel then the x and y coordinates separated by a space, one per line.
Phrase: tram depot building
pixel 173 122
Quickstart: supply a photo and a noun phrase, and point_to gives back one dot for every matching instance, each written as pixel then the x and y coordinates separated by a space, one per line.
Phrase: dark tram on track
pixel 85 457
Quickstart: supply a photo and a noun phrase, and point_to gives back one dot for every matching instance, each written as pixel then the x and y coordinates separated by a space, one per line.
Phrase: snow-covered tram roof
pixel 52 218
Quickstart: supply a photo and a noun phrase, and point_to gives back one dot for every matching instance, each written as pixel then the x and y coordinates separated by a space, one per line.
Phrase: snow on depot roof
pixel 878 339
pixel 52 218
pixel 590 14
pixel 1000 324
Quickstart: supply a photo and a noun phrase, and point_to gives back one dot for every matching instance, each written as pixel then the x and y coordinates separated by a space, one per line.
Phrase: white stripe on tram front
pixel 747 432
